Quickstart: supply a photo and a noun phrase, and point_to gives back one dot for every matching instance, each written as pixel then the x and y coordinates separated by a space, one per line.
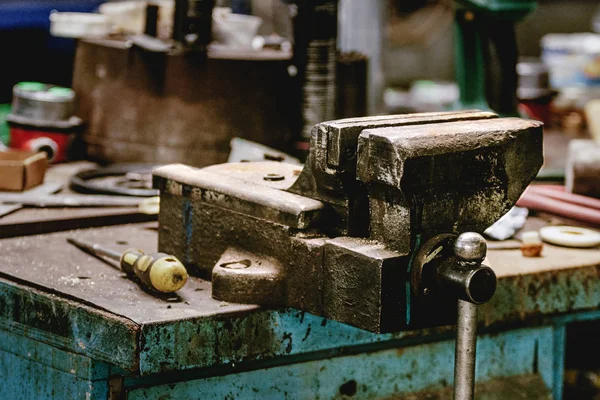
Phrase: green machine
pixel 486 53
pixel 4 130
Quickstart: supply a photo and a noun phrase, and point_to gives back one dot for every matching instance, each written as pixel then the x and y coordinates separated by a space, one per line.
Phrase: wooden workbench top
pixel 48 262
pixel 508 263
pixel 52 292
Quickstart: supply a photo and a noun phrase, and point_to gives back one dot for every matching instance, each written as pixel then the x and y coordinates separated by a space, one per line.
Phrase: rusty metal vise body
pixel 339 238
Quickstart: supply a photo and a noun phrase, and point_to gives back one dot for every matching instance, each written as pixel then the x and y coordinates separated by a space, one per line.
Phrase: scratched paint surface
pixel 378 374
pixel 34 370
pixel 67 325
pixel 51 374
pixel 51 357
pixel 23 379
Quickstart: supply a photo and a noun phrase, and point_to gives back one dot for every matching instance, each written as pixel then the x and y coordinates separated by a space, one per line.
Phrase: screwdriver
pixel 158 271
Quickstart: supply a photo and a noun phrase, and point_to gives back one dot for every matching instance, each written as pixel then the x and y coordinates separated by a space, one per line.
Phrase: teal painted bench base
pixel 33 370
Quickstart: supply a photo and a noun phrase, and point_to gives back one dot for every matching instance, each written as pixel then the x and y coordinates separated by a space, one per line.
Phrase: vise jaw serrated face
pixel 335 238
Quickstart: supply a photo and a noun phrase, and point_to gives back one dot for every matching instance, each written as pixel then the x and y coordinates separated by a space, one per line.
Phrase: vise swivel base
pixel 367 232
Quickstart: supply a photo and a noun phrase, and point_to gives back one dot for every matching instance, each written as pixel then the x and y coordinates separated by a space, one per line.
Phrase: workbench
pixel 73 327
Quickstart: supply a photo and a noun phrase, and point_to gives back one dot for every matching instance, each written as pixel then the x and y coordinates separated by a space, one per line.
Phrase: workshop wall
pixel 27 44
pixel 431 57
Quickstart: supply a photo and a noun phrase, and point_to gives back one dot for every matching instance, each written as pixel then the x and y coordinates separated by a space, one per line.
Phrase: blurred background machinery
pixel 404 55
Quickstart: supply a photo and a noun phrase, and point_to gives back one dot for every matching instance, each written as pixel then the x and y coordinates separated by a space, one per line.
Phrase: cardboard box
pixel 21 170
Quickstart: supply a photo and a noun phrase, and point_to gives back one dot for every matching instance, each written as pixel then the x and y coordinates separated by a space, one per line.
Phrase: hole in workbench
pixel 349 388
pixel 237 264
pixel 273 177
pixel 273 157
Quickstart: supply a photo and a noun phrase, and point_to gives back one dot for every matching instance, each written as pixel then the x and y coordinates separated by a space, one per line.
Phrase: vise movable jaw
pixel 341 237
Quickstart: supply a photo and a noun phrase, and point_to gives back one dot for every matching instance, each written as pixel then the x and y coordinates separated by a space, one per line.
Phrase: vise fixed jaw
pixel 337 238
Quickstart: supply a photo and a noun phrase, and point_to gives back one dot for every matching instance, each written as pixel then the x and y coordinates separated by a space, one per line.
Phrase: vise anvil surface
pixel 336 238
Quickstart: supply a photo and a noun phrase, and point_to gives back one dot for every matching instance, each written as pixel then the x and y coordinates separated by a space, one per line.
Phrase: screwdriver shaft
pixel 95 249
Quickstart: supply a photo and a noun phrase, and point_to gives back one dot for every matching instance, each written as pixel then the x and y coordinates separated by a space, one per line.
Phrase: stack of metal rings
pixel 318 92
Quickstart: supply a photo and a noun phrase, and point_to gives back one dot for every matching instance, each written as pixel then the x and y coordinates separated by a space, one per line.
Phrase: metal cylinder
pixel 582 173
pixel 474 283
pixel 151 27
pixel 315 52
pixel 40 102
pixel 351 85
pixel 465 352
pixel 463 275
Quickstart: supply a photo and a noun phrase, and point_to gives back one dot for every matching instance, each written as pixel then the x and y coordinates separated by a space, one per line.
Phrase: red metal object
pixel 558 192
pixel 56 144
pixel 559 203
pixel 536 110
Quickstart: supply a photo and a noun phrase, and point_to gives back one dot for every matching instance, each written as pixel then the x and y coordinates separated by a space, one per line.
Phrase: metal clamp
pixel 453 264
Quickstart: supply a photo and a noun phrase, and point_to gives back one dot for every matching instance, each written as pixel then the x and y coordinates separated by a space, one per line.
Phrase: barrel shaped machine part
pixel 42 119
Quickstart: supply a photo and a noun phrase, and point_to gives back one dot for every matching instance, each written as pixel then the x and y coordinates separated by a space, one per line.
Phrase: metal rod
pixel 178 20
pixel 71 200
pixel 151 28
pixel 95 249
pixel 464 357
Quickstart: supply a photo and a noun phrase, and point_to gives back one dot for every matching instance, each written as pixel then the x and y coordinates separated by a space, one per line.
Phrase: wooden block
pixel 582 173
pixel 20 170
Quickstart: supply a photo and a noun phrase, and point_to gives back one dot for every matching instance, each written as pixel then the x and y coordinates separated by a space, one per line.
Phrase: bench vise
pixel 366 233
pixel 379 230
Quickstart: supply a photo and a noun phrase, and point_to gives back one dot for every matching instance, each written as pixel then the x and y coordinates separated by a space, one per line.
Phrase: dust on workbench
pixel 49 263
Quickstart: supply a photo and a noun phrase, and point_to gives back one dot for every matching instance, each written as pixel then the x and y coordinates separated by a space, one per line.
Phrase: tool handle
pixel 159 272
